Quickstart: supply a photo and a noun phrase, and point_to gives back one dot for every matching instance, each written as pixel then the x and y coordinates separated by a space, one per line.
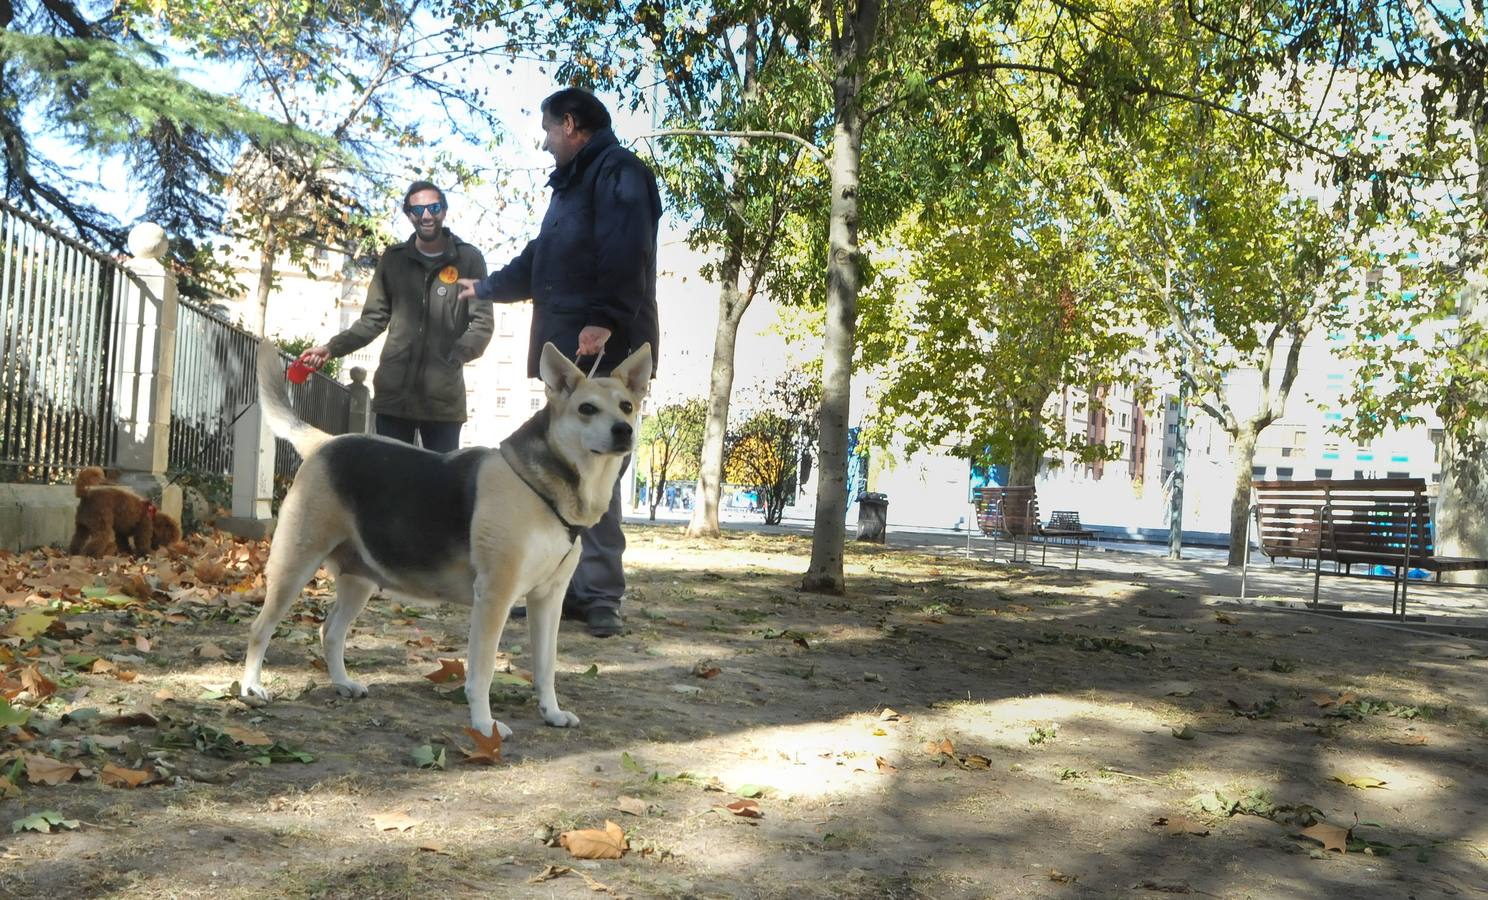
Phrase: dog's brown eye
pixel 627 408
pixel 587 409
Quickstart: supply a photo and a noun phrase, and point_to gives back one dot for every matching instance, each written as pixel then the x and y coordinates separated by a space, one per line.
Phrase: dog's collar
pixel 573 530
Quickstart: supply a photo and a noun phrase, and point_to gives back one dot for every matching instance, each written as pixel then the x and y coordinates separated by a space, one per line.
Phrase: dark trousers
pixel 441 437
pixel 599 580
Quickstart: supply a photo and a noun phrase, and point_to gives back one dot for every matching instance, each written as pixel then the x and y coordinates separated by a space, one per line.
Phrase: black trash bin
pixel 873 517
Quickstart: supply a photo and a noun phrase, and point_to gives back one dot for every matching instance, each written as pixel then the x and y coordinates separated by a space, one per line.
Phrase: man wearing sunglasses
pixel 432 332
pixel 591 276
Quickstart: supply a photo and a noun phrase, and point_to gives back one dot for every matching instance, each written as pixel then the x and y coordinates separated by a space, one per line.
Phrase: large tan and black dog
pixel 485 527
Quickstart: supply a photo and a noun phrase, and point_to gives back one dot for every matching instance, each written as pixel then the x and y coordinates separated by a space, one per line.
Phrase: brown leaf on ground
pixel 130 720
pixel 1409 740
pixel 141 643
pixel 592 843
pixel 936 748
pixel 120 777
pixel 1019 608
pixel 889 715
pixel 45 770
pixel 1180 825
pixel 27 626
pixel 208 650
pixel 1358 781
pixel 749 809
pixel 247 736
pixel 124 675
pixel 1059 877
pixel 1332 837
pixel 40 686
pixel 449 670
pixel 1225 618
pixel 487 750
pixel 976 761
pixel 706 669
pixel 634 806
pixel 101 666
pixel 210 571
pixel 394 820
pixel 549 873
pixel 137 585
pixel 1324 701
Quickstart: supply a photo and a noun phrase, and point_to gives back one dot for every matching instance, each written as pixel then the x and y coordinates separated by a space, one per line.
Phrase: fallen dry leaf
pixel 944 745
pixel 1332 837
pixel 433 847
pixel 549 873
pixel 28 625
pixel 975 761
pixel 394 820
pixel 888 715
pixel 883 764
pixel 592 843
pixel 1358 781
pixel 449 670
pixel 208 650
pixel 120 777
pixel 706 669
pixel 40 686
pixel 141 643
pixel 749 809
pixel 45 770
pixel 101 666
pixel 1409 740
pixel 1225 618
pixel 634 806
pixel 247 736
pixel 1060 878
pixel 487 750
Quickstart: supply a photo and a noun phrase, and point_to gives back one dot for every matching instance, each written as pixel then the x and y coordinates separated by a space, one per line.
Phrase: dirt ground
pixel 948 729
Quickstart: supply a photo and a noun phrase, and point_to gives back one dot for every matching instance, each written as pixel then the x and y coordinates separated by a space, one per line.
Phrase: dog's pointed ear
pixel 636 371
pixel 558 374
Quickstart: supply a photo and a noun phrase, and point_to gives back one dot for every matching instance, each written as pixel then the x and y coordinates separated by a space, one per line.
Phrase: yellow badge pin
pixel 449 275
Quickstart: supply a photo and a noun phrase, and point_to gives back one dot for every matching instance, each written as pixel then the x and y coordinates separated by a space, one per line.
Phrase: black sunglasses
pixel 417 210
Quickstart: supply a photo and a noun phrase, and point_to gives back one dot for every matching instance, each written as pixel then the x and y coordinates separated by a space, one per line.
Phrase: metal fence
pixel 58 344
pixel 215 381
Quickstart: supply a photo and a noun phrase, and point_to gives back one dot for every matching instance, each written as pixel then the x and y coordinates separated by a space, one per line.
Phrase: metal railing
pixel 58 344
pixel 215 380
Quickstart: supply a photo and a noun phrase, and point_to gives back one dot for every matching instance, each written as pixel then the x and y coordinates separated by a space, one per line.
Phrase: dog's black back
pixel 412 506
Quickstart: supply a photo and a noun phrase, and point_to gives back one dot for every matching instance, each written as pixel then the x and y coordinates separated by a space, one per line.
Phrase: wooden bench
pixel 1347 522
pixel 1012 512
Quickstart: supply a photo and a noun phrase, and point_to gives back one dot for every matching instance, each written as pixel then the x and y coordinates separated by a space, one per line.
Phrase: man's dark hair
pixel 423 186
pixel 588 113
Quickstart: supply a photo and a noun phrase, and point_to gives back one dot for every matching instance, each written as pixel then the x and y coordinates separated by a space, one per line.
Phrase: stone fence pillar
pixel 360 421
pixel 146 324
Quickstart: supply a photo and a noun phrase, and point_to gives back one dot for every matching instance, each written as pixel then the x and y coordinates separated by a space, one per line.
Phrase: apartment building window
pixel 1284 473
pixel 1123 420
pixel 1286 451
pixel 1436 435
pixel 1397 474
pixel 500 401
pixel 503 323
pixel 1257 471
pixel 535 403
pixel 1330 451
pixel 1322 473
pixel 1173 428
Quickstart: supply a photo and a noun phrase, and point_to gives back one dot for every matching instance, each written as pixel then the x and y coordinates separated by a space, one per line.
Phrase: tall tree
pixel 76 82
pixel 1237 264
pixel 670 441
pixel 766 449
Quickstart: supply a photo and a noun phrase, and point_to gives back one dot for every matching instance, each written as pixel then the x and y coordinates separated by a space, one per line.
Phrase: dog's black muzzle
pixel 622 436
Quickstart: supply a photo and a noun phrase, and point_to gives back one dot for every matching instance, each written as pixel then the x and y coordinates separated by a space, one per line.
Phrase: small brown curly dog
pixel 111 517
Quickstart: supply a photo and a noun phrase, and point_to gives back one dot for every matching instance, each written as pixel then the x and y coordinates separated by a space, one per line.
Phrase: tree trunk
pixel 266 254
pixel 731 306
pixel 1242 455
pixel 1461 528
pixel 1028 442
pixel 850 52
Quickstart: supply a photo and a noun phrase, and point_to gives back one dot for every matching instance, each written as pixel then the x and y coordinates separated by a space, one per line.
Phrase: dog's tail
pixel 273 394
pixel 87 478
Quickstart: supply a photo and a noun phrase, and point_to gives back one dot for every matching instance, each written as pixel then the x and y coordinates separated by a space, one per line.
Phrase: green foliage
pixel 765 451
pixel 670 443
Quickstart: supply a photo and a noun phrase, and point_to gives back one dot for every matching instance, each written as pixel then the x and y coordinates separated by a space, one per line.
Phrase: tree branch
pixel 816 153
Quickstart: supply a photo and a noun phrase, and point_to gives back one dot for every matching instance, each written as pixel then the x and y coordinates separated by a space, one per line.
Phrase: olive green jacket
pixel 431 333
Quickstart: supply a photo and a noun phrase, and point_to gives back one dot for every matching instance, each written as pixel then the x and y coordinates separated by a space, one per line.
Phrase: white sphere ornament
pixel 148 241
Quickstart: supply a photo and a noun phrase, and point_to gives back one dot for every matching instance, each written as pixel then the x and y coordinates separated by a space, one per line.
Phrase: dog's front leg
pixel 487 618
pixel 544 610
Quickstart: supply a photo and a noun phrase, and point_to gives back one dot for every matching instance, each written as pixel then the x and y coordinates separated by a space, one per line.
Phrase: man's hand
pixel 316 357
pixel 467 289
pixel 592 340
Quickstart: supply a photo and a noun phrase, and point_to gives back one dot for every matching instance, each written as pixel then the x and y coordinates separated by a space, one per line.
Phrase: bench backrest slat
pixel 1388 517
pixel 1008 510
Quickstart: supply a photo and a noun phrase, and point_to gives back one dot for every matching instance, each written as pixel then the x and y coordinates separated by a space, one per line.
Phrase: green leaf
pixel 27 626
pixel 750 791
pixel 629 764
pixel 11 715
pixel 46 821
pixel 591 672
pixel 426 757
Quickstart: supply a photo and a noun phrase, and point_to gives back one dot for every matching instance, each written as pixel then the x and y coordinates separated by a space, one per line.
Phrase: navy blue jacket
pixel 593 261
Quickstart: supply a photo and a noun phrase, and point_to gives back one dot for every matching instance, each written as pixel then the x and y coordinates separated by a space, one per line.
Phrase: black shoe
pixel 605 621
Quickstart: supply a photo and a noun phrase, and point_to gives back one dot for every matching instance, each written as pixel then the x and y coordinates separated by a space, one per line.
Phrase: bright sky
pixel 689 304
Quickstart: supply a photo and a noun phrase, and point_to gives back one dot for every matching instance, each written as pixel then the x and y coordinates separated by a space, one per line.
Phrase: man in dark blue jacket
pixel 591 276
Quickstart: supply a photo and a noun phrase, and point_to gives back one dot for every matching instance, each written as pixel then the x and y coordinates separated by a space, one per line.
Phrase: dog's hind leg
pixel 290 568
pixel 544 610
pixel 352 593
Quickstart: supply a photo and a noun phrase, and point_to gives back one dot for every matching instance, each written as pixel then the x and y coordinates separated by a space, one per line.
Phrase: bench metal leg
pixel 1245 557
pixel 1044 559
pixel 1079 542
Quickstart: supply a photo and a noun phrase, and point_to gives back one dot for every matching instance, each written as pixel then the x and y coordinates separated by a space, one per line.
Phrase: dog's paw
pixel 485 728
pixel 253 690
pixel 351 689
pixel 558 718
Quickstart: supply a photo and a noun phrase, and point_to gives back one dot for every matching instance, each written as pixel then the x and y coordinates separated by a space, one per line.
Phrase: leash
pixel 594 368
